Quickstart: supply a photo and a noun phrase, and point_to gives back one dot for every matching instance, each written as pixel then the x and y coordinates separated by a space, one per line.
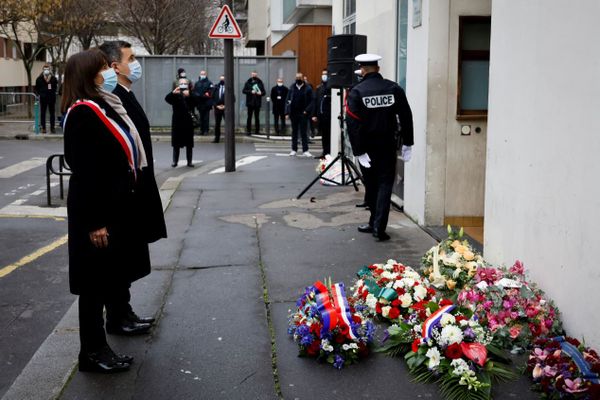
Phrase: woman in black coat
pixel 182 125
pixel 107 247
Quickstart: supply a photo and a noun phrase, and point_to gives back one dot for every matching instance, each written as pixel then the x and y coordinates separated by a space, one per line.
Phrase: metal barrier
pixel 20 107
pixel 62 166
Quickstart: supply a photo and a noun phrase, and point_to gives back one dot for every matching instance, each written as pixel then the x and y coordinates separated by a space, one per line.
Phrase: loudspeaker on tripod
pixel 341 50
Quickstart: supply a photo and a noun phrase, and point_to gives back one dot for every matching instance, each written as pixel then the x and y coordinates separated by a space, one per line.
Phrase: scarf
pixel 115 102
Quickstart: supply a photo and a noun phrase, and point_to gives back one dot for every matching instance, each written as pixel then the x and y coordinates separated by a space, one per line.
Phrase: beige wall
pixel 12 72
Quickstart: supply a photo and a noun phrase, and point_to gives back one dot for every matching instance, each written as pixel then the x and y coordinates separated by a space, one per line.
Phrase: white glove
pixel 406 153
pixel 364 160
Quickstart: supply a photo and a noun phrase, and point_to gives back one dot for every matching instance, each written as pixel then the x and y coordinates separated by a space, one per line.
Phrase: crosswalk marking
pixel 21 167
pixel 239 163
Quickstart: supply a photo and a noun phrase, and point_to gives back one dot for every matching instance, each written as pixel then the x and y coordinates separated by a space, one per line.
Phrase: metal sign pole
pixel 229 107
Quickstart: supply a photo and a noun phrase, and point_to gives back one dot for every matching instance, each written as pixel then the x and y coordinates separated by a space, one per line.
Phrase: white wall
pixel 12 72
pixel 542 192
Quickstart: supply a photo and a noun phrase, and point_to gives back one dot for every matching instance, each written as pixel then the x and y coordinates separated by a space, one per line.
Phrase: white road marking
pixel 33 211
pixel 239 163
pixel 37 193
pixel 21 167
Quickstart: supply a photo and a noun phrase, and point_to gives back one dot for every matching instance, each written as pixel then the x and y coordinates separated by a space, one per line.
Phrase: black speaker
pixel 345 47
pixel 341 74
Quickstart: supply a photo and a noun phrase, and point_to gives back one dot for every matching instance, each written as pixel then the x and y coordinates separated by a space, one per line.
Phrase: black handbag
pixel 195 119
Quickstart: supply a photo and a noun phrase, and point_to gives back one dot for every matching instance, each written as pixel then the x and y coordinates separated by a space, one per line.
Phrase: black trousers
pixel 188 154
pixel 50 105
pixel 325 130
pixel 204 119
pixel 299 125
pixel 256 112
pixel 379 183
pixel 279 118
pixel 219 117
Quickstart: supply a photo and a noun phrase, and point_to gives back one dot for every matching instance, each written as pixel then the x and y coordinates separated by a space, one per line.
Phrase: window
pixel 473 67
pixel 349 16
pixel 402 42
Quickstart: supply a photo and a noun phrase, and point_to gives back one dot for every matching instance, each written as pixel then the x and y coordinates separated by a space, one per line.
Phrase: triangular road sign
pixel 225 27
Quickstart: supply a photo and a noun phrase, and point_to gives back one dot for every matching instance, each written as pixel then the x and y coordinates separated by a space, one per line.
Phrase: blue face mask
pixel 135 71
pixel 110 80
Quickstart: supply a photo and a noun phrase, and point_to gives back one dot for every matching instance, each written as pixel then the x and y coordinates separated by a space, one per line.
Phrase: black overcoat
pixel 278 98
pixel 154 219
pixel 182 126
pixel 102 193
pixel 254 100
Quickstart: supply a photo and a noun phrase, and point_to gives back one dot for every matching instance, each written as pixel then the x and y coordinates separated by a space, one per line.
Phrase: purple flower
pixel 302 330
pixel 370 331
pixel 339 362
pixel 307 340
pixel 469 333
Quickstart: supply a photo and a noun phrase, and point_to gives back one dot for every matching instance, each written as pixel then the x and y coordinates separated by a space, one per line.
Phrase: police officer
pixel 374 107
pixel 322 112
pixel 203 95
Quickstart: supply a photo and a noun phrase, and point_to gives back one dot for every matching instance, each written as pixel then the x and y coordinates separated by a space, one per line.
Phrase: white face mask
pixel 202 76
pixel 324 78
pixel 279 84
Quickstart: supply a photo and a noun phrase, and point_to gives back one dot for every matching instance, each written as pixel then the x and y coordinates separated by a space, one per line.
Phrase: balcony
pixel 295 10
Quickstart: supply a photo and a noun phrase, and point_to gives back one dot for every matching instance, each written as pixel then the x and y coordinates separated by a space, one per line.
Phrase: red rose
pixel 378 308
pixel 363 350
pixel 453 351
pixel 431 291
pixel 364 294
pixel 396 303
pixel 314 348
pixel 315 329
pixel 445 302
pixel 415 345
pixel 394 313
pixel 460 318
pixel 372 267
pixel 400 291
pixel 344 330
pixel 416 283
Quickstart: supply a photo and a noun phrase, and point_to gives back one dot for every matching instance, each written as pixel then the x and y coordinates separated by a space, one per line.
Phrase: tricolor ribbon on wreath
pixel 578 359
pixel 334 307
pixel 433 320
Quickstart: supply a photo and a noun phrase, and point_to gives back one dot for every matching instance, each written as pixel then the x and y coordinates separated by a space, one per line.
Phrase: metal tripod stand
pixel 347 164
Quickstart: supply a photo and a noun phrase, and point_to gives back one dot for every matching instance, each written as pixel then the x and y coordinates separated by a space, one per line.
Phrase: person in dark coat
pixel 46 85
pixel 321 114
pixel 218 98
pixel 107 244
pixel 202 94
pixel 278 97
pixel 374 107
pixel 254 89
pixel 298 109
pixel 129 70
pixel 182 125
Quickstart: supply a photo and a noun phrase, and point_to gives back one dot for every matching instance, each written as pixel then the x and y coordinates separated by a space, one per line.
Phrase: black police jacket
pixel 202 94
pixel 322 101
pixel 373 107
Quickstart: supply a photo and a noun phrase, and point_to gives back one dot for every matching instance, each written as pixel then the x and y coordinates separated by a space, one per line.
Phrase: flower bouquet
pixel 451 348
pixel 514 310
pixel 325 327
pixel 563 368
pixel 452 264
pixel 391 291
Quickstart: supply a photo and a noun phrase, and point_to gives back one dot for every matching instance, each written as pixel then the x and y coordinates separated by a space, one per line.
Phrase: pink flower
pixel 517 268
pixel 489 275
pixel 531 312
pixel 574 386
pixel 550 371
pixel 514 331
pixel 539 354
pixel 507 304
pixel 488 304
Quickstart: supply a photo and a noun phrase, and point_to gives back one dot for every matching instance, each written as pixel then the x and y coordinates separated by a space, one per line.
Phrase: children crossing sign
pixel 225 26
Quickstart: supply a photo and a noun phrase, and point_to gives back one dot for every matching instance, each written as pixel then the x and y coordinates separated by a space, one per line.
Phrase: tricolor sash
pixel 433 320
pixel 342 308
pixel 325 307
pixel 578 359
pixel 120 133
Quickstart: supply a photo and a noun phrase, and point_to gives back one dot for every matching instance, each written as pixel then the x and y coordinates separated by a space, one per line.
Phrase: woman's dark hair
pixel 80 72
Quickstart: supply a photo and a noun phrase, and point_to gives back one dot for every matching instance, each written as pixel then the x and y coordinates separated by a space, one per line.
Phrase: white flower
pixel 391 263
pixel 419 293
pixel 385 311
pixel 371 301
pixel 447 319
pixel 456 273
pixel 398 284
pixel 451 334
pixel 389 275
pixel 326 346
pixel 406 300
pixel 434 357
pixel 408 282
pixel 460 367
pixel 359 283
pixel 411 273
pixel 350 346
pixel 417 328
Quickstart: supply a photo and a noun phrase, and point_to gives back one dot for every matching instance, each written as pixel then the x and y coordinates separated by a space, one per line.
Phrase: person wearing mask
pixel 181 74
pixel 298 109
pixel 219 104
pixel 107 244
pixel 203 90
pixel 182 125
pixel 254 91
pixel 278 97
pixel 374 107
pixel 46 85
pixel 311 127
pixel 321 114
pixel 120 315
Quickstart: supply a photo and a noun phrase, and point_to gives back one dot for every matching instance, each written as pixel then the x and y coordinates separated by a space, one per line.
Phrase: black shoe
pixel 103 361
pixel 122 358
pixel 381 236
pixel 52 130
pixel 366 228
pixel 215 141
pixel 132 316
pixel 127 328
pixel 362 205
pixel 190 165
pixel 173 165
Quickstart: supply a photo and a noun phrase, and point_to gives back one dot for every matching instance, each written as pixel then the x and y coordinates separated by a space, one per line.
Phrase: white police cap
pixel 367 59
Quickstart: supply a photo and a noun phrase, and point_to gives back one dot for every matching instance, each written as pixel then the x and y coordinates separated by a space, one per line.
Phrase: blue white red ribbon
pixel 342 308
pixel 121 134
pixel 328 313
pixel 433 320
pixel 578 359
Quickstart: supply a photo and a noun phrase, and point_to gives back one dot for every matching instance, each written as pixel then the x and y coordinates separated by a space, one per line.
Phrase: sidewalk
pixel 239 253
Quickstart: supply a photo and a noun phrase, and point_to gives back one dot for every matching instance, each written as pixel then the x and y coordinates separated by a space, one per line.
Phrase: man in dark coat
pixel 279 94
pixel 322 112
pixel 46 85
pixel 182 125
pixel 254 91
pixel 298 109
pixel 202 93
pixel 128 70
pixel 218 98
pixel 374 107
